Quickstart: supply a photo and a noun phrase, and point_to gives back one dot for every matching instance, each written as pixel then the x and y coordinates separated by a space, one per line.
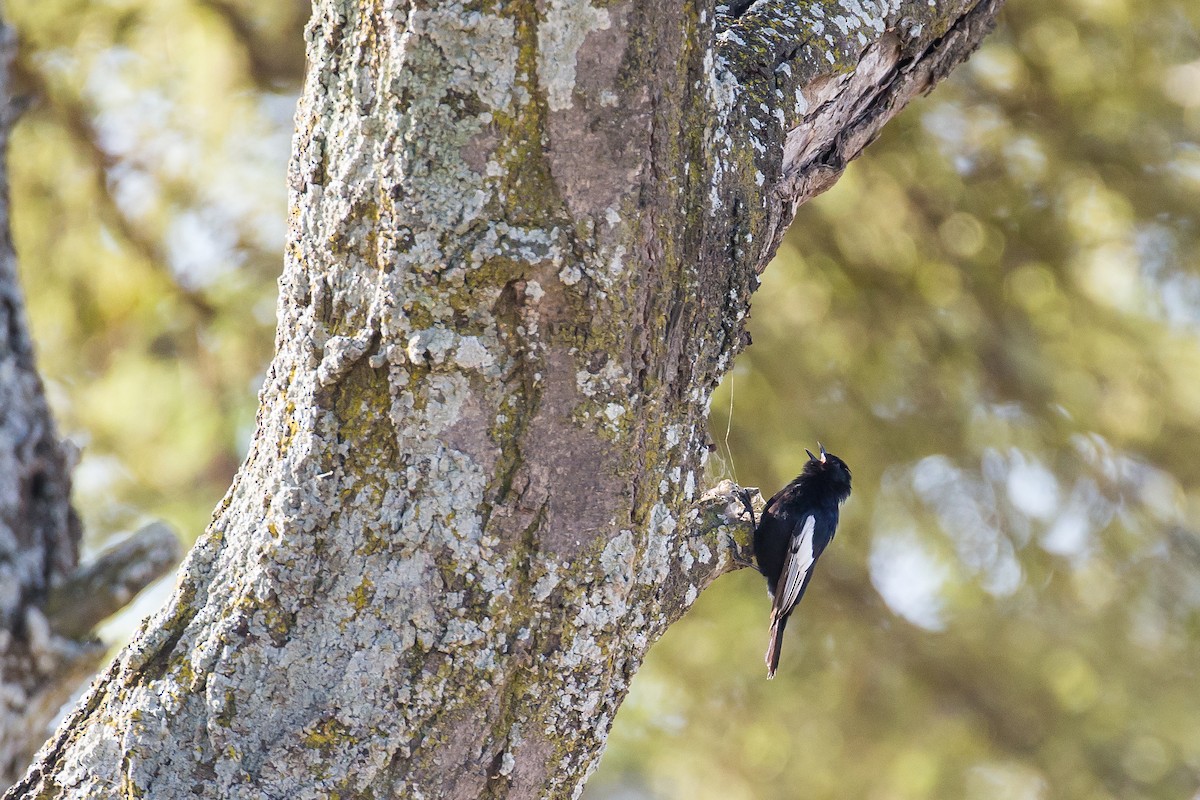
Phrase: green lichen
pixel 172 629
pixel 361 405
pixel 51 791
pixel 291 428
pixel 278 622
pixel 228 712
pixel 372 543
pixel 130 790
pixel 326 735
pixel 360 598
pixel 181 670
pixel 530 195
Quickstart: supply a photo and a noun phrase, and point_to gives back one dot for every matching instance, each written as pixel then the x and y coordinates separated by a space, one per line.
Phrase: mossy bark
pixel 524 236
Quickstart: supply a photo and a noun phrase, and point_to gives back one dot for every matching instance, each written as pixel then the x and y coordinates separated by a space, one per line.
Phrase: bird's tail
pixel 778 623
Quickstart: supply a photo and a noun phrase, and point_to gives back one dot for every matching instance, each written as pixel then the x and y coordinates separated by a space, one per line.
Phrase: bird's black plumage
pixel 797 525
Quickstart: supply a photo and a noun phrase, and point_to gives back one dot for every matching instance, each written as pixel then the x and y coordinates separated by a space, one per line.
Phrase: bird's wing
pixel 797 562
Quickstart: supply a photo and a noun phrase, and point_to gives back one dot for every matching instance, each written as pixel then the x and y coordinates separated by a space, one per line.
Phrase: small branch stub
pixel 102 587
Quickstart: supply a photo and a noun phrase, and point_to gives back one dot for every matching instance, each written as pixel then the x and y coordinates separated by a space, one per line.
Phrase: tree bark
pixel 522 246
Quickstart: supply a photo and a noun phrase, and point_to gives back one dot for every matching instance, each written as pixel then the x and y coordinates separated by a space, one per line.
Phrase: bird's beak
pixel 823 453
pixel 811 457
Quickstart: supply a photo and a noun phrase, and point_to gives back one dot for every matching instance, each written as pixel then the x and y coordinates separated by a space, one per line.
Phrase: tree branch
pixel 102 587
pixel 808 88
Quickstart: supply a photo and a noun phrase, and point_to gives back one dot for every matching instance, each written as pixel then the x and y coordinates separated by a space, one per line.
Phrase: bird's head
pixel 830 468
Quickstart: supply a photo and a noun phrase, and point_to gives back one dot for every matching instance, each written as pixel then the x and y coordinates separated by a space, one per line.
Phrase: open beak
pixel 811 457
pixel 823 453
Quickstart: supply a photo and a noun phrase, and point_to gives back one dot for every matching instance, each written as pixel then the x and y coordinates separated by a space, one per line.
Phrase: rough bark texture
pixel 48 602
pixel 523 242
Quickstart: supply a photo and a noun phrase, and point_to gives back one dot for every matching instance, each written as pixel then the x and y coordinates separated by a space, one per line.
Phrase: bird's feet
pixel 741 558
pixel 748 503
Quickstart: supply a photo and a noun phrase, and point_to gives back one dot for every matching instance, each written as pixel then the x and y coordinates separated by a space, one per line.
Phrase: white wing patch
pixel 796 565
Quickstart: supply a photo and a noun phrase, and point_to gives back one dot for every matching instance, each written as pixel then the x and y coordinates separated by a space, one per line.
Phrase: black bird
pixel 796 526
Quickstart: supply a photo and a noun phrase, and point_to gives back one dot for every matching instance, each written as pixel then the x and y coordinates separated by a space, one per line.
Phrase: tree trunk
pixel 523 243
pixel 48 602
pixel 39 534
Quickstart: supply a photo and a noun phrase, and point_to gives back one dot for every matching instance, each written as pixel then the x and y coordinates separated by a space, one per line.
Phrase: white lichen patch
pixel 561 33
pixel 801 103
pixel 480 47
pixel 444 399
pixel 546 584
pixel 431 343
pixel 461 633
pixel 855 15
pixel 617 558
pixel 616 261
pixel 438 346
pixel 584 649
pixel 471 354
pixel 688 560
pixel 614 412
pixel 570 275
pixel 672 435
pixel 610 378
pixel 656 562
pixel 723 90
pixel 340 354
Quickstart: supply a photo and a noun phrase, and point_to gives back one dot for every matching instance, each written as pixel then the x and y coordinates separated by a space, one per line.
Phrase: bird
pixel 797 524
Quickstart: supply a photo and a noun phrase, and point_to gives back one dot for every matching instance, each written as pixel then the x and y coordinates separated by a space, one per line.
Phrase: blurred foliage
pixel 149 216
pixel 994 317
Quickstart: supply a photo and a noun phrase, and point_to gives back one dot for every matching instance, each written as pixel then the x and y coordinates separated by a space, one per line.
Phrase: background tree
pixel 992 316
pixel 48 601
